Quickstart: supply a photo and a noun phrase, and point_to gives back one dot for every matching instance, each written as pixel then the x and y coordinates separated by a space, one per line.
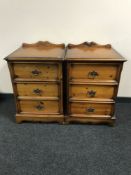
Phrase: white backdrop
pixel 104 21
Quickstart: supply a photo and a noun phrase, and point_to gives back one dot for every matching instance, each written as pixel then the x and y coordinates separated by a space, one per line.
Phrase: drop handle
pixel 39 107
pixel 90 109
pixel 93 74
pixel 36 72
pixel 91 93
pixel 37 91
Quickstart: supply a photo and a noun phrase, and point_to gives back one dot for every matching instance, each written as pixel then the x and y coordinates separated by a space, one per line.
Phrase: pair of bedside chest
pixel 54 83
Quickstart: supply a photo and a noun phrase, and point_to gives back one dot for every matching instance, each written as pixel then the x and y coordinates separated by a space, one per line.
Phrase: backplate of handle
pixel 90 109
pixel 93 74
pixel 36 72
pixel 39 107
pixel 37 91
pixel 91 93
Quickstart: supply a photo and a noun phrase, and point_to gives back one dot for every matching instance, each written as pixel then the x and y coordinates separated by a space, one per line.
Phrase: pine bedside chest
pixel 36 74
pixel 93 75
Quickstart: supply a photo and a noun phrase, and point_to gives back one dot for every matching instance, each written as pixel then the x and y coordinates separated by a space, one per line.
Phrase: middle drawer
pixel 46 89
pixel 84 91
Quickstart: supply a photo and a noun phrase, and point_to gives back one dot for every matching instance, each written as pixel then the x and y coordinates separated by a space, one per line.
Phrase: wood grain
pixel 87 94
pixel 91 72
pixel 42 50
pixel 91 108
pixel 36 71
pixel 39 107
pixel 46 118
pixel 37 79
pixel 45 89
pixel 87 45
pixel 91 120
pixel 43 45
pixel 92 51
pixel 93 76
pixel 85 91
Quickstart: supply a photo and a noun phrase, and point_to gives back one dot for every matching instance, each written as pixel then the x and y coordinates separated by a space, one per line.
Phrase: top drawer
pixel 40 71
pixel 91 72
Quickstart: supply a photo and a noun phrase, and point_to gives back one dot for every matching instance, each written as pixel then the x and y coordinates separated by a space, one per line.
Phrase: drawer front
pixel 92 71
pixel 91 108
pixel 36 71
pixel 40 107
pixel 91 91
pixel 38 89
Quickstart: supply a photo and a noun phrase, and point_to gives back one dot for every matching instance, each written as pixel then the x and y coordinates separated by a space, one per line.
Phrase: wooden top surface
pixel 92 51
pixel 42 50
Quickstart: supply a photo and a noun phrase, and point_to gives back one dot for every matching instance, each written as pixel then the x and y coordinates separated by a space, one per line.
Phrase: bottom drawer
pixel 86 108
pixel 39 107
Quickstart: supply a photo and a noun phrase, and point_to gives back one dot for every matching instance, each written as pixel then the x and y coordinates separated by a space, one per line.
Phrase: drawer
pixel 36 71
pixel 38 89
pixel 85 91
pixel 39 107
pixel 91 72
pixel 91 108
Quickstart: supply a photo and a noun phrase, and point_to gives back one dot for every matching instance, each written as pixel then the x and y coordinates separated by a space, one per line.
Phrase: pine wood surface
pixel 78 83
pixel 37 79
pixel 93 75
pixel 38 51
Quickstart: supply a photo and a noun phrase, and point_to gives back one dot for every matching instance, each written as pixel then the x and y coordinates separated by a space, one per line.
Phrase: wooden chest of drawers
pixel 37 78
pixel 76 84
pixel 93 75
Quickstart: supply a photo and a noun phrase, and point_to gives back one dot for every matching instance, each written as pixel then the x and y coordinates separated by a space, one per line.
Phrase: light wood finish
pixel 39 107
pixel 37 79
pixel 93 75
pixel 42 89
pixel 92 51
pixel 76 84
pixel 85 91
pixel 43 71
pixel 91 108
pixel 91 120
pixel 38 51
pixel 39 118
pixel 86 71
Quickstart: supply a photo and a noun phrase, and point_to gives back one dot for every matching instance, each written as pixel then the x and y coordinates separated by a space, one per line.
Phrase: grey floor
pixel 53 149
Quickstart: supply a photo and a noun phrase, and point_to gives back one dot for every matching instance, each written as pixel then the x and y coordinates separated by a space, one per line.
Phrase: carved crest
pixel 43 45
pixel 86 45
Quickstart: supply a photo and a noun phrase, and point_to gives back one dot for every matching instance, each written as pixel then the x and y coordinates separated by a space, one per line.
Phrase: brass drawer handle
pixel 36 72
pixel 91 93
pixel 93 74
pixel 40 106
pixel 37 91
pixel 90 109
